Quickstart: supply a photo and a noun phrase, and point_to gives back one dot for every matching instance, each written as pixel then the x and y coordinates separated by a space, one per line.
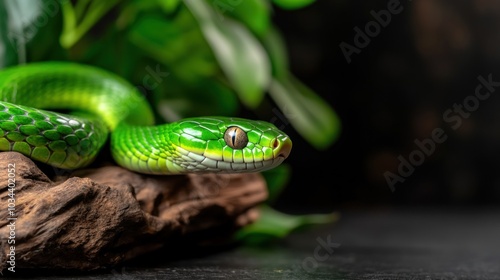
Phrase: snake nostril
pixel 276 143
pixel 284 147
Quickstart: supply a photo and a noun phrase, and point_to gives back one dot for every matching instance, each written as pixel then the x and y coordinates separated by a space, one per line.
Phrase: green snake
pixel 61 113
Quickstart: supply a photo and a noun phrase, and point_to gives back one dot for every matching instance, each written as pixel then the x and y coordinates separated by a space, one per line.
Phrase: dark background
pixel 395 91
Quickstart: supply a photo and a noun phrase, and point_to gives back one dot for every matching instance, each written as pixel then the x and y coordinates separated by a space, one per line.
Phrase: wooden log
pixel 97 218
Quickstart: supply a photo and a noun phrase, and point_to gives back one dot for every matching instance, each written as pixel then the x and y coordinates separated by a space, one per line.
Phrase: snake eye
pixel 235 137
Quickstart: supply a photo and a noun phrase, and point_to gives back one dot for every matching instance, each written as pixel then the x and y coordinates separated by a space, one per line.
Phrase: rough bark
pixel 101 217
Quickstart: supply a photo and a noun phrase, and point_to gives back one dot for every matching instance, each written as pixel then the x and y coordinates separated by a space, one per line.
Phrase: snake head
pixel 222 144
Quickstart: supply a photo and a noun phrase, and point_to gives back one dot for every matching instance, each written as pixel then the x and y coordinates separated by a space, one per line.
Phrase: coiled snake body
pixel 102 103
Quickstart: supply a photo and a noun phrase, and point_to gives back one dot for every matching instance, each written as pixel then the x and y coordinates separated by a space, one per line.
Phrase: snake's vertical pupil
pixel 236 137
pixel 233 137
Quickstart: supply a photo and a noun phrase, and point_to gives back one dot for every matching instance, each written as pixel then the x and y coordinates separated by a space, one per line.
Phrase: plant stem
pixel 72 32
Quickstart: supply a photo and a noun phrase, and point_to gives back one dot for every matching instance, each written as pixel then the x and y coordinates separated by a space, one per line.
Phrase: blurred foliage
pixel 216 54
pixel 274 225
pixel 189 57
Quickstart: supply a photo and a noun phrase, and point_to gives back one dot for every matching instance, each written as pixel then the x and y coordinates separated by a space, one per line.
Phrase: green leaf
pixel 240 55
pixel 293 4
pixel 90 13
pixel 276 49
pixel 273 225
pixel 177 43
pixel 308 113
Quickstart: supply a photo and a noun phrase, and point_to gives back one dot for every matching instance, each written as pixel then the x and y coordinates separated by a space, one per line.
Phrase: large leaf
pixel 192 87
pixel 240 54
pixel 276 49
pixel 308 113
pixel 273 225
